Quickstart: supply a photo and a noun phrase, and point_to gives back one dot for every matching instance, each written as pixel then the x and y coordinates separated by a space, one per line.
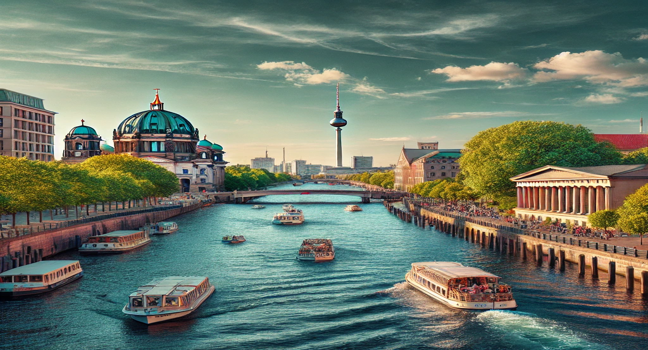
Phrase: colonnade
pixel 569 199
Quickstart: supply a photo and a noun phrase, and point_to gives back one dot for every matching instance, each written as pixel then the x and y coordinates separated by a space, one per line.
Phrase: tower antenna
pixel 338 96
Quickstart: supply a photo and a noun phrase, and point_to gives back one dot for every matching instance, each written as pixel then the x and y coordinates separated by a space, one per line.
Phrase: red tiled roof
pixel 624 142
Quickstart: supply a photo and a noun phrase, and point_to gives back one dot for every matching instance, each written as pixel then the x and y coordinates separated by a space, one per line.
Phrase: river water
pixel 265 299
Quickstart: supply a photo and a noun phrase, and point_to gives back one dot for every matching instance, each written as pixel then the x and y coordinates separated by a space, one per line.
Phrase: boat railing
pixel 479 297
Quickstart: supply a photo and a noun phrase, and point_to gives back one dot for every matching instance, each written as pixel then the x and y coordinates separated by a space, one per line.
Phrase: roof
pixel 21 99
pixel 39 268
pixel 412 154
pixel 169 284
pixel 204 143
pixel 448 153
pixel 82 130
pixel 453 269
pixel 120 233
pixel 107 148
pixel 552 172
pixel 155 122
pixel 624 142
pixel 217 147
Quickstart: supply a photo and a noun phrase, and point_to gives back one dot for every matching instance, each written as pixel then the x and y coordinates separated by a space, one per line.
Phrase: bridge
pixel 366 196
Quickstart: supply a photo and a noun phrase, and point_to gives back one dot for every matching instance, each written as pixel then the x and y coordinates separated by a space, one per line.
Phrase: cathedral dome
pixel 82 130
pixel 217 147
pixel 204 143
pixel 155 122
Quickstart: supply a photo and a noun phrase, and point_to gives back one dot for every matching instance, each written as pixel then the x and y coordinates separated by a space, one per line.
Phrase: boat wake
pixel 527 331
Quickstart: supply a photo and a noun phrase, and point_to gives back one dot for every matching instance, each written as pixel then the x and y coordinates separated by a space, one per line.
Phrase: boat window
pixel 152 301
pixel 46 279
pixel 6 279
pixel 38 278
pixel 136 302
pixel 171 301
pixel 21 279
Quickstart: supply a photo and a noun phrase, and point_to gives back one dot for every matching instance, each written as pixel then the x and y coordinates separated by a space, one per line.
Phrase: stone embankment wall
pixel 24 250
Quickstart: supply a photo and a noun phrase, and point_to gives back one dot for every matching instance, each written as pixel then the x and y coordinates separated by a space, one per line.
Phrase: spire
pixel 338 96
pixel 157 104
pixel 82 121
pixel 205 137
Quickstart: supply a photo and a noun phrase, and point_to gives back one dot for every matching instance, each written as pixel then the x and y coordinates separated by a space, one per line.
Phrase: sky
pixel 257 75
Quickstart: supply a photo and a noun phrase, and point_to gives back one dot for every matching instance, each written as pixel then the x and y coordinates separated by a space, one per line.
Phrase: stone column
pixel 607 198
pixel 575 200
pixel 590 200
pixel 554 199
pixel 561 203
pixel 583 200
pixel 536 191
pixel 567 200
pixel 519 197
pixel 547 198
pixel 600 198
pixel 533 198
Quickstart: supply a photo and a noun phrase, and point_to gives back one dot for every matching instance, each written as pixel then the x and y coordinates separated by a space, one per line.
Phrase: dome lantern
pixel 157 105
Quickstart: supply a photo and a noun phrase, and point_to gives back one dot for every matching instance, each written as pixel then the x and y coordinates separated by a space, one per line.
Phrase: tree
pixel 635 224
pixel 603 219
pixel 495 155
pixel 639 156
pixel 632 209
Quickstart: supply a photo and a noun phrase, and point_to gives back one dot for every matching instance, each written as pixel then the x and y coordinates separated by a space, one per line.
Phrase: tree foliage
pixel 384 180
pixel 242 178
pixel 495 155
pixel 634 212
pixel 603 219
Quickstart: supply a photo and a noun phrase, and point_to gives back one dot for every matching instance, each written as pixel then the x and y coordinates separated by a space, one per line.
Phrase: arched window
pixel 78 146
pixel 203 155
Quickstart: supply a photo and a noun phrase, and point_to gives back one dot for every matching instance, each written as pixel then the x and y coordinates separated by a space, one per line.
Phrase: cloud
pixel 391 139
pixel 642 37
pixel 639 94
pixel 624 121
pixel 301 73
pixel 287 65
pixel 425 93
pixel 603 99
pixel 596 67
pixel 494 71
pixel 482 115
pixel 364 88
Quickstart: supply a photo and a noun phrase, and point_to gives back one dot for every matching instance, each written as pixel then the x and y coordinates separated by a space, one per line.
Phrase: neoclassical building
pixel 81 143
pixel 171 141
pixel 571 194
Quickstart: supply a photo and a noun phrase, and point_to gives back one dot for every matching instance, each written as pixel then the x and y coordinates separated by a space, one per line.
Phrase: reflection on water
pixel 266 299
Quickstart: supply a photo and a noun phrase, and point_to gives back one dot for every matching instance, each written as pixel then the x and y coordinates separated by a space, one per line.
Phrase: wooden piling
pixel 644 283
pixel 538 253
pixel 612 272
pixel 581 265
pixel 524 250
pixel 595 273
pixel 561 260
pixel 629 278
pixel 552 257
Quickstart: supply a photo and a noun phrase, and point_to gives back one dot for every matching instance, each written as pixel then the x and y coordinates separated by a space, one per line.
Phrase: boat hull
pixel 112 250
pixel 153 318
pixel 463 305
pixel 277 222
pixel 25 292
pixel 166 232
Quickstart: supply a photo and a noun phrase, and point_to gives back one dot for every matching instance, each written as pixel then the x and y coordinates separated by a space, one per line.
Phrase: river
pixel 265 299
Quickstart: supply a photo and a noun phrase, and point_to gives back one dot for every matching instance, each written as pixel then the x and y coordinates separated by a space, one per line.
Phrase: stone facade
pixel 426 163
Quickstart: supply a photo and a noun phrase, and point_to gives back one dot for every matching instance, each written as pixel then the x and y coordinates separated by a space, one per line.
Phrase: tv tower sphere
pixel 338 121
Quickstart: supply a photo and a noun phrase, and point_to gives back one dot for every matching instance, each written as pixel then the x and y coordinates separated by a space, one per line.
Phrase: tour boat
pixel 297 184
pixel 164 228
pixel 168 298
pixel 233 239
pixel 258 206
pixel 115 242
pixel 287 207
pixel 293 217
pixel 353 207
pixel 317 250
pixel 39 277
pixel 461 287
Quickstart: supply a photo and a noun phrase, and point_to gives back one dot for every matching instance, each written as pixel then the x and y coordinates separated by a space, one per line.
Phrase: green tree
pixel 639 156
pixel 635 224
pixel 603 219
pixel 495 155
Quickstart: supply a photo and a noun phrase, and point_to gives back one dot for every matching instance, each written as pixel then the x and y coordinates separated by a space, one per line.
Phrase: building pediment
pixel 552 172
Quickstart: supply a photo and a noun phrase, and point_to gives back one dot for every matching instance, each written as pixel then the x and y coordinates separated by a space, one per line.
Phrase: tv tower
pixel 338 122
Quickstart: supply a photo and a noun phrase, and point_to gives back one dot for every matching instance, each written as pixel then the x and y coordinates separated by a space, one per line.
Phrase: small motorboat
pixel 353 207
pixel 258 206
pixel 233 239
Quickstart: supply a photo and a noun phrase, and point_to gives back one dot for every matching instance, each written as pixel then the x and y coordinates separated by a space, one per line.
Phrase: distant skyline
pixel 253 75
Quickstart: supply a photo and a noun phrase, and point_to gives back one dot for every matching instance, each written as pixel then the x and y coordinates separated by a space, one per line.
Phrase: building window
pixel 443 167
pixel 432 167
pixel 453 174
pixel 202 171
pixel 1 132
pixel 203 155
pixel 432 174
pixel 185 171
pixel 443 174
pixel 78 146
pixel 203 181
pixel 0 114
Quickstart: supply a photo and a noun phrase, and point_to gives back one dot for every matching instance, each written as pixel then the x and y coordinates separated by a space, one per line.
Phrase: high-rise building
pixel 362 162
pixel 338 122
pixel 266 163
pixel 298 167
pixel 26 127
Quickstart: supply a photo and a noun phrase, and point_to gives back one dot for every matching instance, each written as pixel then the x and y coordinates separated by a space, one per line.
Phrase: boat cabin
pixel 42 272
pixel 169 292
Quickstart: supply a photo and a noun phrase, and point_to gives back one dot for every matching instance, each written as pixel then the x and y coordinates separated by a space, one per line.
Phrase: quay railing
pixel 558 238
pixel 42 227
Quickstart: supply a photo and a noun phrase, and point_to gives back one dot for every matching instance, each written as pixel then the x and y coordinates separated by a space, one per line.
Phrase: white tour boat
pixel 168 298
pixel 164 228
pixel 115 242
pixel 461 287
pixel 292 217
pixel 353 207
pixel 39 277
pixel 317 250
pixel 258 206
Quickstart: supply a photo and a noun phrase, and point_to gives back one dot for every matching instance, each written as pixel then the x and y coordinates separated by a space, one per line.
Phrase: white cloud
pixel 603 99
pixel 594 66
pixel 392 139
pixel 639 94
pixel 624 121
pixel 481 115
pixel 642 37
pixel 287 65
pixel 425 93
pixel 494 71
pixel 365 88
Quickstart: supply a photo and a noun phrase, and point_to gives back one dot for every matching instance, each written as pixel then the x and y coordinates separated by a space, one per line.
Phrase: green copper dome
pixel 155 122
pixel 217 147
pixel 107 148
pixel 205 143
pixel 82 130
